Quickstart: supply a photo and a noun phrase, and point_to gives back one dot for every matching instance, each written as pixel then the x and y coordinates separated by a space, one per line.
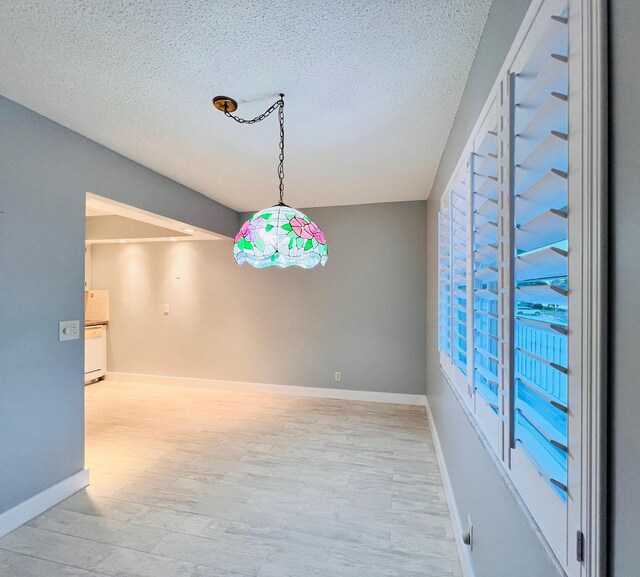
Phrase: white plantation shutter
pixel 540 128
pixel 444 278
pixel 511 256
pixel 461 283
pixel 459 206
pixel 486 315
pixel 453 283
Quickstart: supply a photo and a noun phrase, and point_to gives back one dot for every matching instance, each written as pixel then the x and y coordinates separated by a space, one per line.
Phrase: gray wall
pixel 45 171
pixel 505 542
pixel 362 314
pixel 624 383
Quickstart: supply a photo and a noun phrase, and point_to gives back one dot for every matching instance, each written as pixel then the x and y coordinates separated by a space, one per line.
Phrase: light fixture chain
pixel 281 157
pixel 262 116
pixel 279 104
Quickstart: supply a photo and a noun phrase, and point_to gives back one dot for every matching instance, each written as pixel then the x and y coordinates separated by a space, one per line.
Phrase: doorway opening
pixel 120 241
pixel 113 223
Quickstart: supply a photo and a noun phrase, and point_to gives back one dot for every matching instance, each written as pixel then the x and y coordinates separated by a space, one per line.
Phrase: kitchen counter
pixel 95 323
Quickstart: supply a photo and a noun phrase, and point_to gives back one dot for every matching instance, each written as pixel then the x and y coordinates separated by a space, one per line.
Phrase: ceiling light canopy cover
pixel 280 236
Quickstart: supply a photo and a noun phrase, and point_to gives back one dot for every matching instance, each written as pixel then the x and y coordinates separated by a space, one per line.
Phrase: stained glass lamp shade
pixel 280 236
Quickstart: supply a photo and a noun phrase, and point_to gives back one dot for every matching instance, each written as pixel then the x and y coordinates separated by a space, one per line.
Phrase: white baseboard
pixel 295 391
pixel 27 510
pixel 463 550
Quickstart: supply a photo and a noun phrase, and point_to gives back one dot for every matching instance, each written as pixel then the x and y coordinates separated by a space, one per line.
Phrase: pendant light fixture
pixel 278 236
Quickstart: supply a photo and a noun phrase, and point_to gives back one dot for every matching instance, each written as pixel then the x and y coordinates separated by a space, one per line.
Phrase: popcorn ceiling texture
pixel 371 86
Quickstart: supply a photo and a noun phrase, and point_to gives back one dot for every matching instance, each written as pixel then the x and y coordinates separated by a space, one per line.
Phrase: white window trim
pixel 588 184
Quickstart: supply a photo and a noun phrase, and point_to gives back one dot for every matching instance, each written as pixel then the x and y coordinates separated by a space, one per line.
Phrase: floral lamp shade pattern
pixel 280 236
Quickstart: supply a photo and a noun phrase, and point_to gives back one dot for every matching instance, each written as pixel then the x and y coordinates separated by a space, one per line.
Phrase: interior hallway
pixel 192 482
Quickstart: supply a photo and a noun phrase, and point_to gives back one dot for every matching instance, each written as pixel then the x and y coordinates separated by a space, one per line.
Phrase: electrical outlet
pixel 467 538
pixel 337 377
pixel 165 309
pixel 68 330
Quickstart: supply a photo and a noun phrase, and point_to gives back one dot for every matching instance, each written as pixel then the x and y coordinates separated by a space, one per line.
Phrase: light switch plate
pixel 68 330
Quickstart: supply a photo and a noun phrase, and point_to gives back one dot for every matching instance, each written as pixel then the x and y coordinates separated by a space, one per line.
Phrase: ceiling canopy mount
pixel 225 104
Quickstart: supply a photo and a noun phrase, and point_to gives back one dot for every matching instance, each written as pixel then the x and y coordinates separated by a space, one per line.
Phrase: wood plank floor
pixel 191 482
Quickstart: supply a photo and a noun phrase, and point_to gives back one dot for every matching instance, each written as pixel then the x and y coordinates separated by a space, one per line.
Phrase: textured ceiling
pixel 371 87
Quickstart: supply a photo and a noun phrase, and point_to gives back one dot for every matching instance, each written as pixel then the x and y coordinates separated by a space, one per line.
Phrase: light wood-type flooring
pixel 189 482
